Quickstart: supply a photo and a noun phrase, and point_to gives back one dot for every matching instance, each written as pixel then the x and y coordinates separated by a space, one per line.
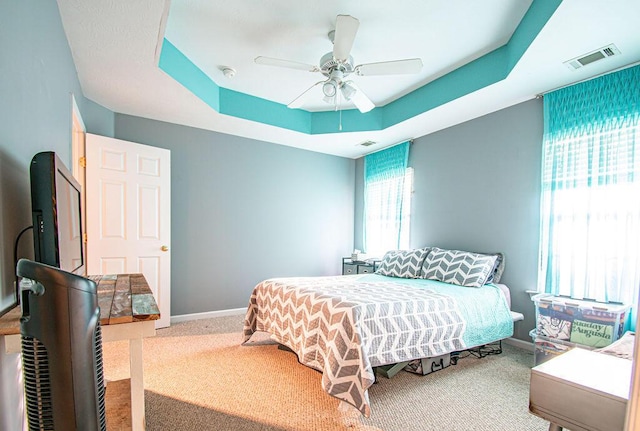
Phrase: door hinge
pixel 83 162
pixel 84 237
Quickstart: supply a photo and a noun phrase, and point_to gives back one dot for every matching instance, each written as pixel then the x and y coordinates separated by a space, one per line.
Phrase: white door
pixel 129 214
pixel 78 165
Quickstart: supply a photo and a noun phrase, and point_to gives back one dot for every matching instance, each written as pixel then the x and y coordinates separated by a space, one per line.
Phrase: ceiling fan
pixel 337 65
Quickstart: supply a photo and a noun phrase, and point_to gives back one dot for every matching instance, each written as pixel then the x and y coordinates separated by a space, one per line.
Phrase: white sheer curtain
pixel 590 208
pixel 387 200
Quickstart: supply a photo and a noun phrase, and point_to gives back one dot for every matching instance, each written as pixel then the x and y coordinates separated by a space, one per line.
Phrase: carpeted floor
pixel 199 377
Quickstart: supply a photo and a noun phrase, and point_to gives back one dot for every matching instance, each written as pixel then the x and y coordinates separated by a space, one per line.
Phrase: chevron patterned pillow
pixel 458 267
pixel 403 263
pixel 496 274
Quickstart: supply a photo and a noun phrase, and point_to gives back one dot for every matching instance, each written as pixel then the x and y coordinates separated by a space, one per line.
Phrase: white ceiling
pixel 115 46
pixel 233 34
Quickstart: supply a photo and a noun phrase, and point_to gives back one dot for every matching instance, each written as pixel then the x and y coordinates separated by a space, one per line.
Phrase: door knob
pixel 164 248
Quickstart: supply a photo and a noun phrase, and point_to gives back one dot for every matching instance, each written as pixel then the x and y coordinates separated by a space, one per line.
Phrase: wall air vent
pixel 367 143
pixel 591 57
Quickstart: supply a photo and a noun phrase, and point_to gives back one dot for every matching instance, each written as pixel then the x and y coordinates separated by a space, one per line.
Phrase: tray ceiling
pixel 163 60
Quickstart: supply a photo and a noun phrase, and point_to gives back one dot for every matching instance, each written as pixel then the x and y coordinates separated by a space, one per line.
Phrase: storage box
pixel 426 366
pixel 583 322
pixel 547 348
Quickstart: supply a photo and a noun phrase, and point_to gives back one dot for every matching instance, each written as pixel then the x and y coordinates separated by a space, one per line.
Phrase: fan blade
pixel 299 101
pixel 351 92
pixel 268 61
pixel 398 67
pixel 345 34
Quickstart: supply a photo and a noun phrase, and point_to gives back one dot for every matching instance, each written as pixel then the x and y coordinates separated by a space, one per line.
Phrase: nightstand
pixel 581 390
pixel 358 267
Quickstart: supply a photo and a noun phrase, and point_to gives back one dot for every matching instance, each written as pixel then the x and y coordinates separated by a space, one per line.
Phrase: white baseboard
pixel 208 315
pixel 526 345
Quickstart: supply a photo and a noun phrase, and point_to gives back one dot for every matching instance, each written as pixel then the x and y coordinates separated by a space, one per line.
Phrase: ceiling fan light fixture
pixel 329 88
pixel 347 91
pixel 329 99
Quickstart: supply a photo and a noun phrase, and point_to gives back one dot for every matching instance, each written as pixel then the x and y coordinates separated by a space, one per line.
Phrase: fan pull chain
pixel 340 111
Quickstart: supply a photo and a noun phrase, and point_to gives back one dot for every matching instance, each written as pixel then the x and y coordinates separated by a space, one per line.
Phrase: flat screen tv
pixel 57 217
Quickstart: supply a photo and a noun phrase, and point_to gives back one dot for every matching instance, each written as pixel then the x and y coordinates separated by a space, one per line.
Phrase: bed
pixel 344 326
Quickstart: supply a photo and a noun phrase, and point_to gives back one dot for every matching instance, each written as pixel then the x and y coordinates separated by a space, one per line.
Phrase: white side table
pixel 581 390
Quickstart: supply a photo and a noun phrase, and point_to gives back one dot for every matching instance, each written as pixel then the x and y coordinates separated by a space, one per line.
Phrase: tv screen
pixel 57 219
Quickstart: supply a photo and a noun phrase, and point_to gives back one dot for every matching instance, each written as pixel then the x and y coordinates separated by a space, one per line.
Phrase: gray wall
pixel 477 188
pixel 245 210
pixel 37 79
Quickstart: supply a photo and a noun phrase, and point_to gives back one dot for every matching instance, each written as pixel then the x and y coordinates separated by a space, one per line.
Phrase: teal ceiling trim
pixel 180 68
pixel 473 76
pixel 264 111
pixel 480 73
pixel 532 23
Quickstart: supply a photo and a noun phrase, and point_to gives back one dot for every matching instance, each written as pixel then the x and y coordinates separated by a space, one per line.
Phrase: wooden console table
pixel 128 311
pixel 581 390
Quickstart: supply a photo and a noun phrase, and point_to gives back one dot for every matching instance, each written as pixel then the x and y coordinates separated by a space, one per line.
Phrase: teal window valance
pixel 388 163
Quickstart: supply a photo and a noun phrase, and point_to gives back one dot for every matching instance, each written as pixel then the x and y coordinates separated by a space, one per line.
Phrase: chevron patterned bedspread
pixel 344 326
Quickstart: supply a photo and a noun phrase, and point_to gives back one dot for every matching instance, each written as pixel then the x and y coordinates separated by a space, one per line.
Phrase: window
pixel 590 206
pixel 387 200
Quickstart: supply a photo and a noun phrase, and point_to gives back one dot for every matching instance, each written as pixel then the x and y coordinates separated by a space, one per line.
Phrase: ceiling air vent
pixel 599 54
pixel 367 143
